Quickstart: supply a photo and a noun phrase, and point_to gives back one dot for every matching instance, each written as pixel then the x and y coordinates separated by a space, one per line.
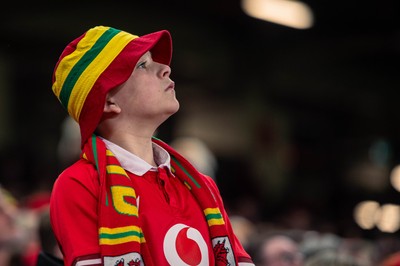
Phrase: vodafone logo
pixel 185 246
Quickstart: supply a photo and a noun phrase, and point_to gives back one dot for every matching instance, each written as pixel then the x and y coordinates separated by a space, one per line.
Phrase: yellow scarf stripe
pixel 119 196
pixel 120 235
pixel 212 222
pixel 187 185
pixel 212 211
pixel 214 216
pixel 109 153
pixel 105 241
pixel 116 169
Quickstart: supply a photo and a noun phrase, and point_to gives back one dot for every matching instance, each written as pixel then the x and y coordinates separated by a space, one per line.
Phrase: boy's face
pixel 149 93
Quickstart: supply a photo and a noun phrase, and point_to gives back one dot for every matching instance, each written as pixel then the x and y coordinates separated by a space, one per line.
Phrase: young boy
pixel 131 199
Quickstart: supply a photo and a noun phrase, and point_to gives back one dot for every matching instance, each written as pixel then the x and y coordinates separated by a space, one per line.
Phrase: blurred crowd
pixel 25 231
pixel 25 228
pixel 273 245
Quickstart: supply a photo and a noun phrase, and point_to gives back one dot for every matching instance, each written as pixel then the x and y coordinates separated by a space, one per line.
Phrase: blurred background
pixel 295 102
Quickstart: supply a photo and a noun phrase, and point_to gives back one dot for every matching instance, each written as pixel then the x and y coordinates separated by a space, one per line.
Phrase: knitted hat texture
pixel 96 62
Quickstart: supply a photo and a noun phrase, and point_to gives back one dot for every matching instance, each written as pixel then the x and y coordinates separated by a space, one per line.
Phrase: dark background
pixel 300 120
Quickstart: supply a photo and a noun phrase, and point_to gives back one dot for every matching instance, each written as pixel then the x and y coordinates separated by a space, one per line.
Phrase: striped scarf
pixel 120 229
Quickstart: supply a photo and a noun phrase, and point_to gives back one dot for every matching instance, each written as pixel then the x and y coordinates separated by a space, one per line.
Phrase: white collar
pixel 135 164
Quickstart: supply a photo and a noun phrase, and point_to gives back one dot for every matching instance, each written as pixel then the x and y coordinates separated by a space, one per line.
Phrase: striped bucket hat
pixel 98 61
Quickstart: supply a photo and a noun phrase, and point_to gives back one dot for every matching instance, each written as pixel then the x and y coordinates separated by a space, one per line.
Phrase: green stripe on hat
pixel 83 63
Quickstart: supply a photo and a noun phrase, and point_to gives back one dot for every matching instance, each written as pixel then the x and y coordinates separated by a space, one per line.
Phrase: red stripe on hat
pixel 67 51
pixel 116 74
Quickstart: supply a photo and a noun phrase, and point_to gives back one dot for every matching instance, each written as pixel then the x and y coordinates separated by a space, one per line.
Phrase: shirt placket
pixel 164 184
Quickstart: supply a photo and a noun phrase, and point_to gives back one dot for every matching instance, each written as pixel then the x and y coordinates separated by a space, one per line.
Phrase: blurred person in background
pixel 9 245
pixel 131 199
pixel 278 249
pixel 197 153
pixel 364 251
pixel 50 253
pixel 330 249
pixel 244 229
pixel 17 232
pixel 68 148
pixel 331 257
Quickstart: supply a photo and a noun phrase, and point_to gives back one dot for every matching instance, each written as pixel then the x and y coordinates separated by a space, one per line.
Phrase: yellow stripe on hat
pixel 94 53
pixel 68 62
pixel 94 70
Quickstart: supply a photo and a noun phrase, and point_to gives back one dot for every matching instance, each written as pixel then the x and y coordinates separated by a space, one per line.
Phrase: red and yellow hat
pixel 96 62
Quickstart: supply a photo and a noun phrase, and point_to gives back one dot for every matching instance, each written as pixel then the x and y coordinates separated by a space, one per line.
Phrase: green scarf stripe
pixel 186 172
pixel 94 150
pixel 214 216
pixel 120 235
pixel 83 63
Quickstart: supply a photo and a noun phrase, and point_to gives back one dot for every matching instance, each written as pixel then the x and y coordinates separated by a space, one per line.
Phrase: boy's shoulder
pixel 80 171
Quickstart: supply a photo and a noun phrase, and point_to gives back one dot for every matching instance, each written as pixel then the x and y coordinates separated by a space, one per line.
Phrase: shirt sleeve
pixel 242 256
pixel 73 213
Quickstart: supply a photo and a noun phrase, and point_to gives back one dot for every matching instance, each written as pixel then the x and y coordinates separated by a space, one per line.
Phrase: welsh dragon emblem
pixel 221 253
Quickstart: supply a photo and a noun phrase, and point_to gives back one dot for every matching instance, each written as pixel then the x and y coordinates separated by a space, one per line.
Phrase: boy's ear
pixel 111 106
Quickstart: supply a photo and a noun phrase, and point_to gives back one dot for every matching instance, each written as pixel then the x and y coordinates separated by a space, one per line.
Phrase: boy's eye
pixel 141 65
